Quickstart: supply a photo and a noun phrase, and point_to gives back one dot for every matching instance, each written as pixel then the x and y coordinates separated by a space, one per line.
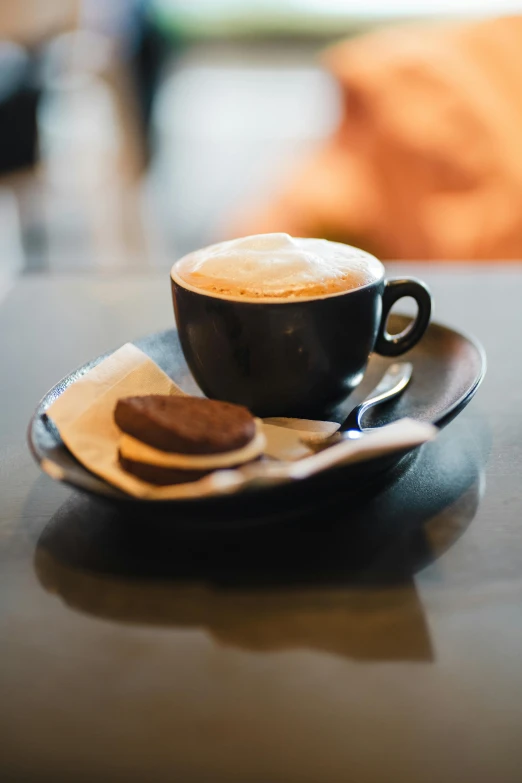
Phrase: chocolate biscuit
pixel 154 474
pixel 185 425
pixel 161 476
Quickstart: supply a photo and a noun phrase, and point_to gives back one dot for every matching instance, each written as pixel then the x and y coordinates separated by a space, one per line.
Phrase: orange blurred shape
pixel 427 160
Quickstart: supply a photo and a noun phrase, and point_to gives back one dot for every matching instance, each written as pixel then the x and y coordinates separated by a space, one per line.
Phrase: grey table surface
pixel 374 641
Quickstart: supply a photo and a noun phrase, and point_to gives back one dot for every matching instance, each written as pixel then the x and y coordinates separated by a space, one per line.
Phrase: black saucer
pixel 447 370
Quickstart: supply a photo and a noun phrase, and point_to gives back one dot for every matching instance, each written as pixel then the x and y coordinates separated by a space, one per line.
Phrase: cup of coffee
pixel 286 326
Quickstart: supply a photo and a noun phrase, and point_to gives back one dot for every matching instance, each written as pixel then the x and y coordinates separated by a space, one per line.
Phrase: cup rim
pixel 175 278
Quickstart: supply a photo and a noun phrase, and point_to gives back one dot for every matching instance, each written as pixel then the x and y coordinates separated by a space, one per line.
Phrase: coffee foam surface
pixel 277 266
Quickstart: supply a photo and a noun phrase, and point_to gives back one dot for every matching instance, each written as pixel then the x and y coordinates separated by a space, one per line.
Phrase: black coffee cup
pixel 297 357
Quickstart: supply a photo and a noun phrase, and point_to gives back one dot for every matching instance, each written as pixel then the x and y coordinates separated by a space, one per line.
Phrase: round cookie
pixel 185 425
pixel 155 474
pixel 161 476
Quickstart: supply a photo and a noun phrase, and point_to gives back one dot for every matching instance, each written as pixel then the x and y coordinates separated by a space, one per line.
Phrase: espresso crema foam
pixel 277 266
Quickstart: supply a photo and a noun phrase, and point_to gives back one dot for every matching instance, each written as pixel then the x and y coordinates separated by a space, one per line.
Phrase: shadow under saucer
pixel 338 578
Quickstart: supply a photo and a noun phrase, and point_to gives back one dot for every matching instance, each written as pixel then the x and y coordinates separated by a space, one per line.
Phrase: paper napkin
pixel 84 416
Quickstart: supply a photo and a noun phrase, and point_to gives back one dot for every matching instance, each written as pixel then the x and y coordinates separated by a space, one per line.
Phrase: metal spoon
pixel 392 383
pixel 406 434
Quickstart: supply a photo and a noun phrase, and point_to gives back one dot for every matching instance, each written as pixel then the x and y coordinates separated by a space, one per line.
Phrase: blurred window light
pixel 398 7
pixel 226 132
pixel 257 102
pixel 205 13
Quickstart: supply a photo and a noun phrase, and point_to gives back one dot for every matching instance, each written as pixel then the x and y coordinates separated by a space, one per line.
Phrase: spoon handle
pixel 393 382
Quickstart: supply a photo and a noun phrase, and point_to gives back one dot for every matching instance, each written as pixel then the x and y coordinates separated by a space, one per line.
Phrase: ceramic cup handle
pixel 393 345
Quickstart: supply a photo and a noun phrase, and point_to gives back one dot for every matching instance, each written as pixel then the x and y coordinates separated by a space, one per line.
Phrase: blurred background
pixel 132 131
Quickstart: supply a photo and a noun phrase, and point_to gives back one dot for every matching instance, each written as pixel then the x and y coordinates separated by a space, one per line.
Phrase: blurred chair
pixel 426 162
pixel 18 100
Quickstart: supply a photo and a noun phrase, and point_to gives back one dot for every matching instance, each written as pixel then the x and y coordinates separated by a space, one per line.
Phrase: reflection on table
pixel 338 579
